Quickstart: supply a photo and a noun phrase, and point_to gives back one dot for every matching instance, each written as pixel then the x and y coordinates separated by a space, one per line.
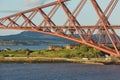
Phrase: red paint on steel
pixel 106 39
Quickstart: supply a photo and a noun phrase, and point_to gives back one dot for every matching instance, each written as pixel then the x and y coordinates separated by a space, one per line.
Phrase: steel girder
pixel 106 39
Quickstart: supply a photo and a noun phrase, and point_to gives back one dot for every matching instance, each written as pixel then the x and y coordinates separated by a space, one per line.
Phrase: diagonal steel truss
pixel 106 39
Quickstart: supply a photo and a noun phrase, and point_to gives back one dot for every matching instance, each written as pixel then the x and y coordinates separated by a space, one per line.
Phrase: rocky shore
pixel 56 60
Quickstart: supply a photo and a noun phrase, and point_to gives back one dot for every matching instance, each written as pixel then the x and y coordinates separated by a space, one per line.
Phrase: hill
pixel 33 38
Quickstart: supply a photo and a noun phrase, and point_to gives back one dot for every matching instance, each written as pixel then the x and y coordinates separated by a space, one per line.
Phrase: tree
pixel 84 48
pixel 27 51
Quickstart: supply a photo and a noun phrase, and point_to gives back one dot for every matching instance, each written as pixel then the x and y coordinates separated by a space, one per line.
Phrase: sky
pixel 87 16
pixel 8 7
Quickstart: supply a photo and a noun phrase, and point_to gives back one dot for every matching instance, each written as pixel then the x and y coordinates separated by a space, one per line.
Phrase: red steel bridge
pixel 102 35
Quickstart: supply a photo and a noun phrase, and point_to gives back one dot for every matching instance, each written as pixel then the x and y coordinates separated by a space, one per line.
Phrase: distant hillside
pixel 32 38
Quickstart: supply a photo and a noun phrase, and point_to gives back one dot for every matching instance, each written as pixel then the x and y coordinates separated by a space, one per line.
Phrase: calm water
pixel 29 47
pixel 59 71
pixel 23 47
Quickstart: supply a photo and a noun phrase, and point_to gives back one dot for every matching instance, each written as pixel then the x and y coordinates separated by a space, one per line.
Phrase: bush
pixel 94 53
pixel 84 48
pixel 69 55
pixel 5 55
pixel 11 55
pixel 8 55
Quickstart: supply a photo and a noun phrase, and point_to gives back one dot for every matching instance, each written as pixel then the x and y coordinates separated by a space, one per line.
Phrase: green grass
pixel 82 51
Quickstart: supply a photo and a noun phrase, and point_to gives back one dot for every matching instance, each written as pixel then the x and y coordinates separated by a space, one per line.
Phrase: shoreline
pixel 31 60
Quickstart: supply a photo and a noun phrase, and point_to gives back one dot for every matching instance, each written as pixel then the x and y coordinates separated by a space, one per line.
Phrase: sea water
pixel 59 71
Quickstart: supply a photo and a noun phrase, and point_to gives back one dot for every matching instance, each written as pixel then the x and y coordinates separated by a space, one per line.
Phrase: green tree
pixel 84 48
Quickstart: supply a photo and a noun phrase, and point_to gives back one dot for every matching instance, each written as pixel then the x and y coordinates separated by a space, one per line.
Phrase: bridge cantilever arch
pixel 101 36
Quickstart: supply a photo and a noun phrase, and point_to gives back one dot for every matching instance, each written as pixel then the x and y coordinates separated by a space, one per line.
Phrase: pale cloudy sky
pixel 34 2
pixel 88 16
pixel 8 7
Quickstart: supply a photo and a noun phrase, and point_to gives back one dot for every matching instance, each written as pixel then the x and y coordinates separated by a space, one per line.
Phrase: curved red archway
pixel 106 39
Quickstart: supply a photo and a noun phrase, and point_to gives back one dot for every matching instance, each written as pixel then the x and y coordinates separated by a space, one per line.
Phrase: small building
pixel 6 49
pixel 69 46
pixel 55 47
pixel 85 59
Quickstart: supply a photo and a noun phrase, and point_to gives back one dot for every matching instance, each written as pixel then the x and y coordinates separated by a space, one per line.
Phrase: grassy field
pixel 81 54
pixel 81 51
